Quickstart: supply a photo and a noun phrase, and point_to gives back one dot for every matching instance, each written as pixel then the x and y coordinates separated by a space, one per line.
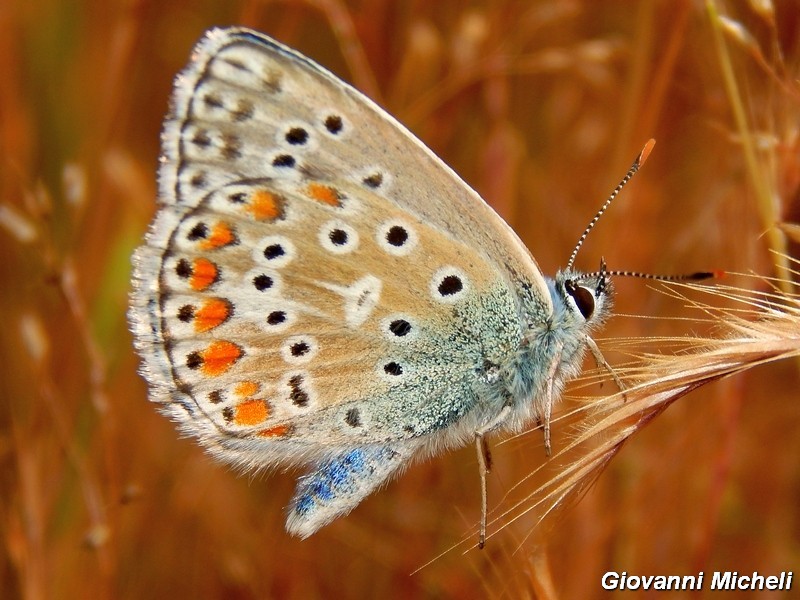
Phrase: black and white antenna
pixel 628 176
pixel 602 273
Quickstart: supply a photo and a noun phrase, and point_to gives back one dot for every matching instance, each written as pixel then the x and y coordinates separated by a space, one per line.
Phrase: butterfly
pixel 318 289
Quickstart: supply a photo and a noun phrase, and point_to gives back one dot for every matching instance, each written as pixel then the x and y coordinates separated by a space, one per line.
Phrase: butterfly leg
pixel 549 399
pixel 485 465
pixel 548 411
pixel 339 483
pixel 601 362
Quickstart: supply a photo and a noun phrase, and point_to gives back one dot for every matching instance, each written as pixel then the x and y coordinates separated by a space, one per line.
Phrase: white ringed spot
pixel 333 123
pixel 449 284
pixel 296 388
pixel 374 178
pixel 296 136
pixel 399 328
pixel 266 282
pixel 338 237
pixel 299 349
pixel 277 319
pixel 396 237
pixel 275 250
pixel 393 370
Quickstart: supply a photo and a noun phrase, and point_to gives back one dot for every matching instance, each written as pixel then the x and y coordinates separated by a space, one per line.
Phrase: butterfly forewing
pixel 265 109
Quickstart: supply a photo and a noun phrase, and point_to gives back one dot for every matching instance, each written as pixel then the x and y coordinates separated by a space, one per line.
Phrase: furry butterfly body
pixel 319 289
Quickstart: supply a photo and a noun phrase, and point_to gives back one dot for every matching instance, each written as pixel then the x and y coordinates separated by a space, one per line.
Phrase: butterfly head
pixel 585 298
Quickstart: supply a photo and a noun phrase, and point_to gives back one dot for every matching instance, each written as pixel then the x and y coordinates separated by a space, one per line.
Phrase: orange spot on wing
pixel 213 313
pixel 219 357
pixel 324 194
pixel 221 235
pixel 277 431
pixel 246 389
pixel 251 412
pixel 265 206
pixel 204 273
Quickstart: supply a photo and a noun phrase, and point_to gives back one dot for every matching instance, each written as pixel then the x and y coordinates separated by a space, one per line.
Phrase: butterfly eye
pixel 583 298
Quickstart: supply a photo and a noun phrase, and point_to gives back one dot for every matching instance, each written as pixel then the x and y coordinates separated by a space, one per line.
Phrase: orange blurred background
pixel 541 106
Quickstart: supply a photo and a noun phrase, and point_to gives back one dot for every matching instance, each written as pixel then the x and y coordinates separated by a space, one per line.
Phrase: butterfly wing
pixel 316 279
pixel 232 77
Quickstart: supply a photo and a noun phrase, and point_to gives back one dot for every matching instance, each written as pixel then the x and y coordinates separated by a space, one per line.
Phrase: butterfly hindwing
pixel 268 111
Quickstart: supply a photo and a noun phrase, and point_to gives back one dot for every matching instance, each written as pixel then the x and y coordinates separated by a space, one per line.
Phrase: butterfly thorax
pixel 552 347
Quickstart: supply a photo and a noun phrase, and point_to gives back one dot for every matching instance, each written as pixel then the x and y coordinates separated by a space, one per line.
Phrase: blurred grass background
pixel 540 106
